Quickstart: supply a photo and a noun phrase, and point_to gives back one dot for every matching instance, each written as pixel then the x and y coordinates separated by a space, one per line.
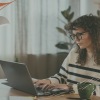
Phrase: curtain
pixel 31 34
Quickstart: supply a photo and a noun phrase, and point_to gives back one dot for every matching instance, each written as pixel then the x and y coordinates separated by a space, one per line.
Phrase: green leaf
pixel 67 15
pixel 61 45
pixel 61 30
pixel 66 12
pixel 70 17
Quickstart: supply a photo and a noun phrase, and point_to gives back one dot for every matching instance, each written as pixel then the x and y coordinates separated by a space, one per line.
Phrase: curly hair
pixel 90 24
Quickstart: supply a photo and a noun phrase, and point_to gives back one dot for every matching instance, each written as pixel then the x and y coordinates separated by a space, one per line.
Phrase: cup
pixel 85 90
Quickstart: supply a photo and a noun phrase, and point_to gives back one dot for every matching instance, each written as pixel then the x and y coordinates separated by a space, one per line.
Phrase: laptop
pixel 18 77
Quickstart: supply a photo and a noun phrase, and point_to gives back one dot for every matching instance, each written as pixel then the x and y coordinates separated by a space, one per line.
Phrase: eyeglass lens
pixel 77 35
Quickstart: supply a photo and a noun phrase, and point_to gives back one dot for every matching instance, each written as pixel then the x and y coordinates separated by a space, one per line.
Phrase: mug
pixel 85 90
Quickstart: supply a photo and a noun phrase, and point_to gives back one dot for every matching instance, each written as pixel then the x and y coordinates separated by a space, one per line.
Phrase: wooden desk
pixel 8 93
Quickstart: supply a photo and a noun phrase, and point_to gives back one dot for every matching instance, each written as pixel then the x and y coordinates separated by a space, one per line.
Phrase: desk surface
pixel 8 93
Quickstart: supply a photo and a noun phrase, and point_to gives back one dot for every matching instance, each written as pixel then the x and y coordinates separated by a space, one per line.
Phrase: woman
pixel 83 61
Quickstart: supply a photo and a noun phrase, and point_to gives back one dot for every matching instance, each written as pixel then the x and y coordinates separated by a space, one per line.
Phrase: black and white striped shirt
pixel 71 72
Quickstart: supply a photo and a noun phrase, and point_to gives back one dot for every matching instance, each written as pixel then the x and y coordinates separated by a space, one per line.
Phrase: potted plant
pixel 67 44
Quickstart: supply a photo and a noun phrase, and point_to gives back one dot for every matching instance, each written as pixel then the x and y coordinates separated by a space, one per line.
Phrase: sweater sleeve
pixel 61 77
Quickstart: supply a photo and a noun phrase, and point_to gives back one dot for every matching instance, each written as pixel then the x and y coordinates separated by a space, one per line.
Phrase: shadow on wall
pixel 44 66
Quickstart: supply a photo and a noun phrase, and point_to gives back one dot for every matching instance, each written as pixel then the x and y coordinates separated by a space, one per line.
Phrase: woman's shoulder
pixel 73 54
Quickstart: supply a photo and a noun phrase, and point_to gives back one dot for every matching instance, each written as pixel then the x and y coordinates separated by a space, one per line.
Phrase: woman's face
pixel 82 38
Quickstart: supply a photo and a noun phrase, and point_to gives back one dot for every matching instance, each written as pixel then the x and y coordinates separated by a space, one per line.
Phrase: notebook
pixel 18 77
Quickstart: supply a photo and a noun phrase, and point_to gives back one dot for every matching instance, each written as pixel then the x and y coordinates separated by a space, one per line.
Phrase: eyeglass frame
pixel 77 35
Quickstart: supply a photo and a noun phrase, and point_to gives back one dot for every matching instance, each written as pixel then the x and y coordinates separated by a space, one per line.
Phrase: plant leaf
pixel 61 30
pixel 66 12
pixel 61 45
pixel 67 15
pixel 71 16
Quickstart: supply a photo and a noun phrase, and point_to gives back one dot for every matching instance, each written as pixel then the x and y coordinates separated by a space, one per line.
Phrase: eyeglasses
pixel 77 35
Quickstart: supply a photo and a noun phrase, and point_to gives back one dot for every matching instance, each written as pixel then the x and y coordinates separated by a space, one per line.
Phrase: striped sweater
pixel 72 73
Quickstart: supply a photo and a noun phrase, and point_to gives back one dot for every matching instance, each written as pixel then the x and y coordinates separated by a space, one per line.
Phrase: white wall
pixel 88 6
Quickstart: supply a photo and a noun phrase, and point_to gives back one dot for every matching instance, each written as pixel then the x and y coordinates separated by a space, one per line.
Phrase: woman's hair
pixel 90 24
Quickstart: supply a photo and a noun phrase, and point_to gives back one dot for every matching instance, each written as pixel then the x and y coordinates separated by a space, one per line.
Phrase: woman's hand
pixel 62 86
pixel 55 86
pixel 45 84
pixel 42 83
